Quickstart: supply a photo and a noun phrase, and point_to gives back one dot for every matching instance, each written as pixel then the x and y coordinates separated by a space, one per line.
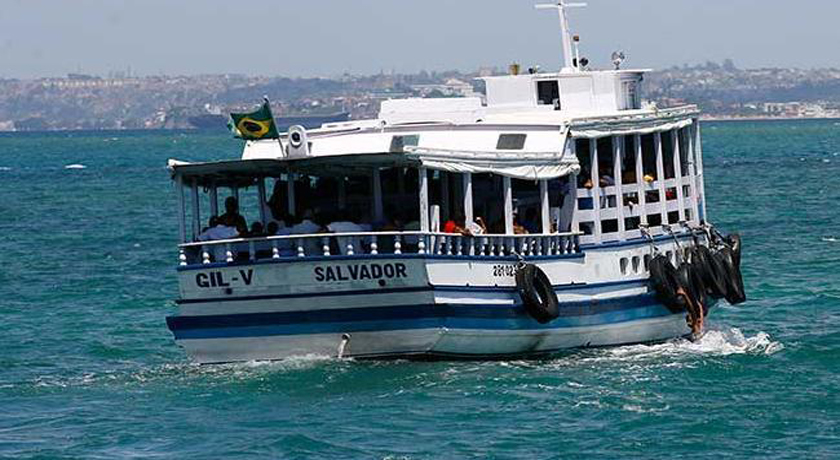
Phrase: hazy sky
pixel 329 37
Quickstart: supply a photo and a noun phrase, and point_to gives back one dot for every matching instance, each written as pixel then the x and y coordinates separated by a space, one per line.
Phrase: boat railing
pixel 376 244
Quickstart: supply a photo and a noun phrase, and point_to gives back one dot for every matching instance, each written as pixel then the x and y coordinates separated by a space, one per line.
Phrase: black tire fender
pixel 714 274
pixel 734 242
pixel 537 294
pixel 665 281
pixel 734 281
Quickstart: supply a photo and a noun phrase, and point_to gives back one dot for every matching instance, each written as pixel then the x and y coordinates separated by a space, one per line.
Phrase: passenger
pixel 272 228
pixel 518 228
pixel 277 203
pixel 307 225
pixel 531 222
pixel 455 225
pixel 477 227
pixel 232 218
pixel 256 230
pixel 342 224
pixel 218 231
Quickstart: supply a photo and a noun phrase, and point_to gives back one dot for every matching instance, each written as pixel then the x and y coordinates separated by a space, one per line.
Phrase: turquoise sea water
pixel 89 370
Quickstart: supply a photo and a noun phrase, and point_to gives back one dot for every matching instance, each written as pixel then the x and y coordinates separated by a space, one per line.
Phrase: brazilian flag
pixel 255 125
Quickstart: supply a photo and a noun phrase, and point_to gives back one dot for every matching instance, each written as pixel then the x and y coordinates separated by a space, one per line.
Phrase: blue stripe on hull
pixel 486 317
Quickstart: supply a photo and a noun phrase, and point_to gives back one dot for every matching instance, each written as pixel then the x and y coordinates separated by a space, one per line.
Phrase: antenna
pixel 561 6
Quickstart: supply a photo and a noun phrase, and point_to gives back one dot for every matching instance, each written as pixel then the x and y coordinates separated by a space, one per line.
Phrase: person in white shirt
pixel 307 226
pixel 343 225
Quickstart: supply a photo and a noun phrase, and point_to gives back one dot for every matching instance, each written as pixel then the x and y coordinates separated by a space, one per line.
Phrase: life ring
pixel 711 270
pixel 537 294
pixel 666 283
pixel 734 281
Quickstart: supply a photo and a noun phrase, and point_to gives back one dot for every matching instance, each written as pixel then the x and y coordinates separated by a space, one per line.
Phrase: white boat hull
pixel 415 306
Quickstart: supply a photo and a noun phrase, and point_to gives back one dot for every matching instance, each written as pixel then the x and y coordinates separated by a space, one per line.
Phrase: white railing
pixel 375 244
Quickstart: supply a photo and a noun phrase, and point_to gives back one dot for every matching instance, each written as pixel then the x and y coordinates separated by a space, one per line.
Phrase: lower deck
pixel 418 305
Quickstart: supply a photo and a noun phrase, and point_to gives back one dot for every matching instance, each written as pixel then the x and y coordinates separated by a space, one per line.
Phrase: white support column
pixel 342 192
pixel 596 190
pixel 675 146
pixel 196 212
pixel 214 200
pixel 261 192
pixel 701 176
pixel 573 192
pixel 660 177
pixel 618 157
pixel 377 195
pixel 692 174
pixel 571 212
pixel 182 209
pixel 445 210
pixel 640 178
pixel 469 214
pixel 545 207
pixel 508 191
pixel 290 193
pixel 423 180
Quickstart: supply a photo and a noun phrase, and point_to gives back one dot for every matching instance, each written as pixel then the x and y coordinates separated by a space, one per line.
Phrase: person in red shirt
pixel 455 225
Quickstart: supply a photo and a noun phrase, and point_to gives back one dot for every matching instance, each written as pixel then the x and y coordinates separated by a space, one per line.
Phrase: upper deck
pixel 576 152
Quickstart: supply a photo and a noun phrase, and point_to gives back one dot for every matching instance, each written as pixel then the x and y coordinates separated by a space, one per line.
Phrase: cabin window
pixel 668 154
pixel 511 142
pixel 683 136
pixel 585 161
pixel 609 226
pixel 632 223
pixel 628 163
pixel 398 143
pixel 548 93
pixel 649 158
pixel 673 217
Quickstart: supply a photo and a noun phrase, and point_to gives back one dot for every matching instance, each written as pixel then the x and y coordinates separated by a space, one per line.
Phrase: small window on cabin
pixel 548 93
pixel 398 143
pixel 648 158
pixel 511 142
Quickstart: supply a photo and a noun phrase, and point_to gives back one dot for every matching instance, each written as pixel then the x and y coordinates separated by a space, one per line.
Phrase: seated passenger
pixel 455 225
pixel 342 224
pixel 232 218
pixel 306 226
pixel 256 230
pixel 518 228
pixel 477 227
pixel 272 228
pixel 531 223
pixel 218 231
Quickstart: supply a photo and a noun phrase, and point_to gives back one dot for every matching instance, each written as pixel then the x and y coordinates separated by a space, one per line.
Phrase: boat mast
pixel 569 65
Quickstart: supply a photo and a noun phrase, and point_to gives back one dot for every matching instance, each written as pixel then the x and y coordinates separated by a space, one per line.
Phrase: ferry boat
pixel 556 212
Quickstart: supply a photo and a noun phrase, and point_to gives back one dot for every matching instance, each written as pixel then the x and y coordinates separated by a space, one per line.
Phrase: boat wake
pixel 715 342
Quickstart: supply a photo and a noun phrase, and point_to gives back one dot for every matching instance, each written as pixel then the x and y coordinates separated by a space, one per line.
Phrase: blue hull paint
pixel 408 317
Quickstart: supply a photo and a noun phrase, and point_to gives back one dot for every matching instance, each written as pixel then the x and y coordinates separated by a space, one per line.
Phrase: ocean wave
pixel 5 168
pixel 75 166
pixel 829 239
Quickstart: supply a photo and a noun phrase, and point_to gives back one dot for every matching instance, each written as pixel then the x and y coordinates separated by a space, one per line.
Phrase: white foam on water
pixel 830 239
pixel 75 166
pixel 715 342
pixel 5 168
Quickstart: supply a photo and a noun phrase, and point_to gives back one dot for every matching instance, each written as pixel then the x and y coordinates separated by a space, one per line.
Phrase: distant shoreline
pixel 767 118
pixel 206 130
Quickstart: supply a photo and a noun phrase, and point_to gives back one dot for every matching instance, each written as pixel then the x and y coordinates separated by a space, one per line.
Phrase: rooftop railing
pixel 376 244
